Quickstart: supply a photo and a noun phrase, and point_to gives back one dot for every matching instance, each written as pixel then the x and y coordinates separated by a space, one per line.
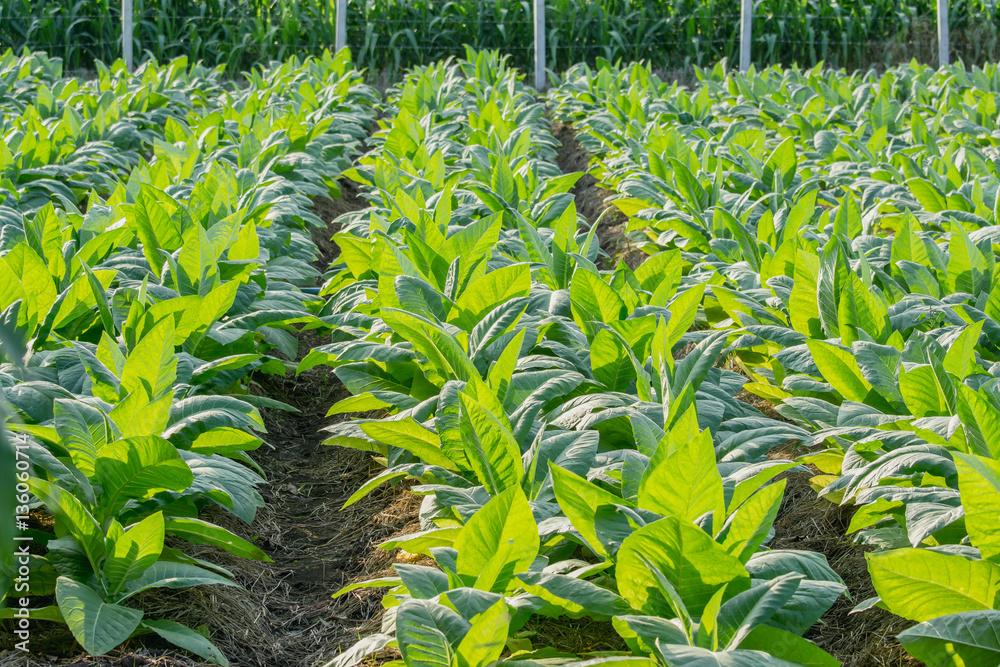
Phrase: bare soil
pixel 592 204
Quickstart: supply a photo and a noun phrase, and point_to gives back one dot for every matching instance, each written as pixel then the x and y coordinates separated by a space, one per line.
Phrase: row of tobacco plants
pixel 570 466
pixel 844 228
pixel 579 443
pixel 154 243
pixel 834 235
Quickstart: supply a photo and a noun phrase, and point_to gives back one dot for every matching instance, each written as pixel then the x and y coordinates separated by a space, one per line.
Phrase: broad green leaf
pixel 198 531
pixel 840 369
pixel 188 639
pixel 490 446
pixel 486 293
pixel 134 551
pixel 691 656
pixel 77 519
pixel 138 468
pixel 782 161
pixel 920 585
pixel 409 435
pixel 787 646
pixel 955 640
pixel 686 483
pixel 593 299
pixel 981 421
pixel 83 430
pixel 749 609
pixel 152 365
pixel 99 626
pixel 428 633
pixel 500 540
pixel 979 484
pixel 752 522
pixel 486 639
pixel 611 362
pixel 575 597
pixel 579 500
pixel 803 307
pixel 443 351
pixel 170 574
pixel 861 309
pixel 692 561
pixel 642 633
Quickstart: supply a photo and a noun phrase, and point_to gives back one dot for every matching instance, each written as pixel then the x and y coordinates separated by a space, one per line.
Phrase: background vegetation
pixel 386 36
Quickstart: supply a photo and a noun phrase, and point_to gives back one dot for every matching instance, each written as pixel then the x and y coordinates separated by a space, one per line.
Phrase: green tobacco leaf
pixel 840 369
pixel 921 392
pixel 692 561
pixel 134 551
pixel 749 609
pixel 979 484
pixel 409 435
pixel 486 639
pixel 787 646
pixel 642 633
pixel 752 522
pixel 152 365
pixel 138 468
pixel 490 291
pixel 610 361
pixel 783 160
pixel 428 632
pixel 76 518
pixel 203 532
pixel 920 585
pixel 691 656
pixel 593 299
pixel 803 306
pixel 170 574
pixel 981 421
pixel 83 429
pixel 441 349
pixel 188 639
pixel 685 483
pixel 500 540
pixel 861 309
pixel 490 447
pixel 98 625
pixel 970 638
pixel 579 500
pixel 576 597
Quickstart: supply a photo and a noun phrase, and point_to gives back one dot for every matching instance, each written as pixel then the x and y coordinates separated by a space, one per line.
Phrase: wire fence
pixel 388 36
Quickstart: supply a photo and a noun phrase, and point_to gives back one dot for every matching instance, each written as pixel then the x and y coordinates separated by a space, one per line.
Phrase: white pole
pixel 943 46
pixel 341 35
pixel 539 45
pixel 127 34
pixel 746 24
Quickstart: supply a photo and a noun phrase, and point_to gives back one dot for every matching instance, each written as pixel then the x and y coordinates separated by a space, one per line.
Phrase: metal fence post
pixel 943 46
pixel 746 26
pixel 539 44
pixel 341 35
pixel 127 34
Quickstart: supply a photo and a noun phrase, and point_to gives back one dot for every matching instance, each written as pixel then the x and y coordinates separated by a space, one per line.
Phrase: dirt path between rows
pixel 317 548
pixel 592 204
